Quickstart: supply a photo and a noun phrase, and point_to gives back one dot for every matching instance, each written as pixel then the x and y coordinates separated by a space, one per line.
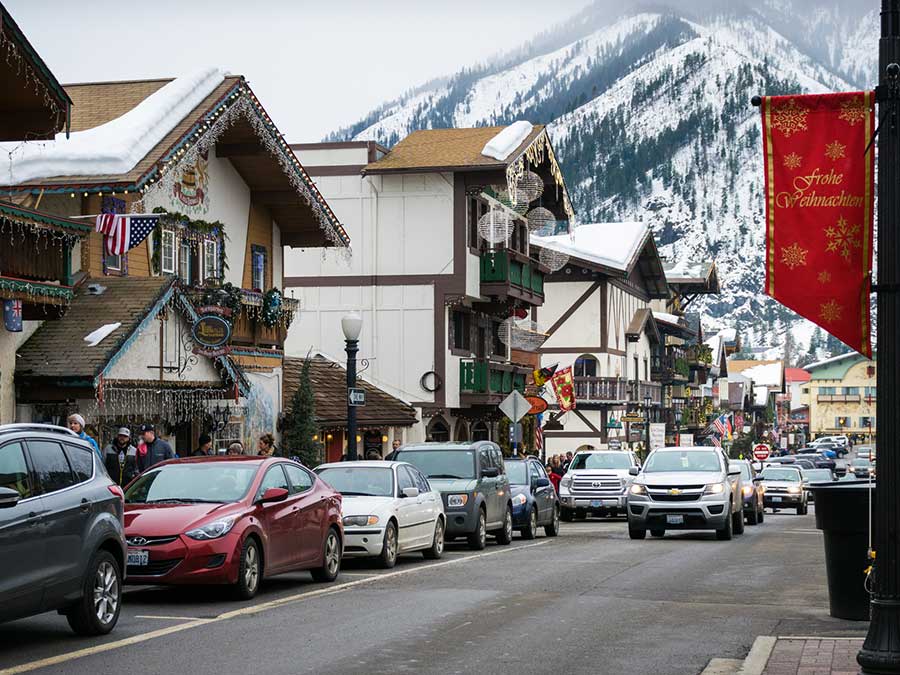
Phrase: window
pixel 534 474
pixel 484 459
pixel 168 254
pixel 870 392
pixel 866 422
pixel 497 459
pixel 258 267
pixel 274 478
pixel 82 462
pixel 404 479
pixel 462 331
pixel 438 431
pixel 113 262
pixel 840 422
pixel 298 478
pixel 210 260
pixel 585 366
pixel 421 481
pixel 851 391
pixel 184 261
pixel 50 466
pixel 480 432
pixel 827 391
pixel 14 471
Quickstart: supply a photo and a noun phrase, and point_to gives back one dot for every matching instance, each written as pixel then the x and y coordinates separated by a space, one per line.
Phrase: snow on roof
pixel 728 334
pixel 760 395
pixel 684 269
pixel 765 374
pixel 502 145
pixel 117 146
pixel 612 245
pixel 668 318
pixel 715 344
pixel 833 359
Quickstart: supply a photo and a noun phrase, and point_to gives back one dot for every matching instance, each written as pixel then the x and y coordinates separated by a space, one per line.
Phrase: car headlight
pixel 457 501
pixel 714 489
pixel 213 530
pixel 360 521
pixel 794 490
pixel 638 489
pixel 566 481
pixel 519 500
pixel 747 490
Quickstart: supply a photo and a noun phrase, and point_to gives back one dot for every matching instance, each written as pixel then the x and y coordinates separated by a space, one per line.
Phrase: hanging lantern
pixel 529 186
pixel 519 204
pixel 541 219
pixel 495 226
pixel 554 260
pixel 522 334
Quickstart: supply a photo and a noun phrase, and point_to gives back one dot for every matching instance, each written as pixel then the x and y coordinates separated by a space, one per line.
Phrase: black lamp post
pixel 648 401
pixel 881 651
pixel 351 324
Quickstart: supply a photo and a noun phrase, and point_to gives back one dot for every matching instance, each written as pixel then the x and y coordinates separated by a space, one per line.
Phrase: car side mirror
pixel 273 494
pixel 542 483
pixel 490 472
pixel 410 492
pixel 9 497
pixel 634 471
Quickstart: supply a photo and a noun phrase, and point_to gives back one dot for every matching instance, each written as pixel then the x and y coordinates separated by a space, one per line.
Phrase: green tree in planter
pixel 300 425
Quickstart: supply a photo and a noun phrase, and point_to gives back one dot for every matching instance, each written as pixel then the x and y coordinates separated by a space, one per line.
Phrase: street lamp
pixel 648 401
pixel 351 324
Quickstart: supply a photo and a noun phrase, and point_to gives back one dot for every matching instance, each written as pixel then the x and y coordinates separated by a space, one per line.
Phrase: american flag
pixel 716 441
pixel 539 435
pixel 719 425
pixel 124 232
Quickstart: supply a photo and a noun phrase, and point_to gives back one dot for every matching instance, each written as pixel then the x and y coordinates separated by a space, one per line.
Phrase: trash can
pixel 842 513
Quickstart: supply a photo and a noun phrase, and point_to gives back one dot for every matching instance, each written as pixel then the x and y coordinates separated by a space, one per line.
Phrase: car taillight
pixel 117 491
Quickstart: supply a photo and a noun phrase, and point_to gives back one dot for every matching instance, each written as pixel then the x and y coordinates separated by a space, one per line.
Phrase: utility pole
pixel 881 651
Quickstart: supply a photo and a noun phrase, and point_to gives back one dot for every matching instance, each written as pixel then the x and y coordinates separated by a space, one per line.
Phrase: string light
pixel 31 77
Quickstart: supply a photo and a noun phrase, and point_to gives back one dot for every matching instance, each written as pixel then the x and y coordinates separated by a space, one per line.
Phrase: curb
pixel 756 660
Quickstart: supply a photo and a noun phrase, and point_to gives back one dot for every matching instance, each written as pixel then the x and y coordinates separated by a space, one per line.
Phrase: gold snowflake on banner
pixel 790 118
pixel 843 238
pixel 793 256
pixel 792 161
pixel 835 151
pixel 824 277
pixel 830 311
pixel 853 111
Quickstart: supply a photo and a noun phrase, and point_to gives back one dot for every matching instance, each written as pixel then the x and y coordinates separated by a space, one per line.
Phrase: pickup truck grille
pixel 675 493
pixel 597 486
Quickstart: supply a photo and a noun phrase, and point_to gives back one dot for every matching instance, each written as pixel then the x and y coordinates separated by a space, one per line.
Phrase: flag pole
pixel 881 651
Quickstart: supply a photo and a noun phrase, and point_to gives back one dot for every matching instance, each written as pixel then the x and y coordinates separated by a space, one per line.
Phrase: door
pixel 67 515
pixel 430 507
pixel 488 488
pixel 543 496
pixel 408 510
pixel 278 519
pixel 311 514
pixel 22 553
pixel 502 483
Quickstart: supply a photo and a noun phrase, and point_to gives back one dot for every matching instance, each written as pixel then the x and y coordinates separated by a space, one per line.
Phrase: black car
pixel 752 493
pixel 534 500
pixel 62 535
pixel 819 460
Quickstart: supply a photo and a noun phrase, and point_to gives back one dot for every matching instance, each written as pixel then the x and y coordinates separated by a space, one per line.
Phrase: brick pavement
pixel 814 656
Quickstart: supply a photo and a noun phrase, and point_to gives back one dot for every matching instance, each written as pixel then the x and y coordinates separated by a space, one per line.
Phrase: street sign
pixel 761 452
pixel 356 397
pixel 515 406
pixel 615 444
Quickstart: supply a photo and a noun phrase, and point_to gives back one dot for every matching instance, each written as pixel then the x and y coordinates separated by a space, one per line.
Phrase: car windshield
pixel 441 463
pixel 517 472
pixel 817 475
pixel 685 460
pixel 196 482
pixel 776 473
pixel 746 473
pixel 601 460
pixel 860 462
pixel 360 481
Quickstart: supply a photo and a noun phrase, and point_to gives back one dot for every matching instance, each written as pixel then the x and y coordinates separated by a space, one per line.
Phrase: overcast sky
pixel 315 65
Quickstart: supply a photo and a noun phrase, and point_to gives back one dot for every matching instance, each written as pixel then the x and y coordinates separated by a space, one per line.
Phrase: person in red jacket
pixel 554 478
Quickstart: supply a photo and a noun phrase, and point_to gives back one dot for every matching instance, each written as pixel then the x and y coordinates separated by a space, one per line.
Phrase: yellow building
pixel 841 395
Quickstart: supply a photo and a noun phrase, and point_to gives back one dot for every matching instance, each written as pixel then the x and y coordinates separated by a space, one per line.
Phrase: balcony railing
pixel 248 328
pixel 508 273
pixel 482 377
pixel 616 390
pixel 670 368
pixel 838 398
pixel 699 356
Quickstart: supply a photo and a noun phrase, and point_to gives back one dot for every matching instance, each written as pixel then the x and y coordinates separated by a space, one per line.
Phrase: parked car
pixel 819 460
pixel 751 492
pixel 62 539
pixel 783 488
pixel 840 444
pixel 596 483
pixel 866 452
pixel 685 489
pixel 232 520
pixel 472 480
pixel 816 476
pixel 861 467
pixel 388 509
pixel 534 501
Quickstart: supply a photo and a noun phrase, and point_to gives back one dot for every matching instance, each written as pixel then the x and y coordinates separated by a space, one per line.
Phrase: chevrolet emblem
pixel 674 491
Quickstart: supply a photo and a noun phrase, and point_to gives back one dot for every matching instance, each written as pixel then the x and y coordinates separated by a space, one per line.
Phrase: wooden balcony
pixel 485 382
pixel 508 273
pixel 248 329
pixel 838 398
pixel 670 368
pixel 607 390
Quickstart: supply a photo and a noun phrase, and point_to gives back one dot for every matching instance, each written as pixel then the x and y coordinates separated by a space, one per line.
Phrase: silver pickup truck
pixel 596 483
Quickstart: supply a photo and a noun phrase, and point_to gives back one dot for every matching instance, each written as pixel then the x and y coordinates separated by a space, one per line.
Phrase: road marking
pixel 169 618
pixel 245 611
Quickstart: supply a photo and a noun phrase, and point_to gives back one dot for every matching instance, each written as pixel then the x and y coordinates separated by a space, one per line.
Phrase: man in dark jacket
pixel 120 458
pixel 204 446
pixel 157 450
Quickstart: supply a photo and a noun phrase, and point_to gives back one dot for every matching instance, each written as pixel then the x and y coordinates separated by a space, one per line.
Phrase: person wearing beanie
pixel 158 450
pixel 120 458
pixel 204 446
pixel 76 424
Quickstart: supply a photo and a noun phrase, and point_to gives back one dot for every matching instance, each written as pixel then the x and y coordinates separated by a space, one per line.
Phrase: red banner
pixel 819 209
pixel 564 388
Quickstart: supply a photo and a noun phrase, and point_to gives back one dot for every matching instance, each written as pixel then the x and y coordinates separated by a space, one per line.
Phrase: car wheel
pixel 504 535
pixel 331 555
pixel 752 517
pixel 802 510
pixel 636 533
pixel 249 570
pixel 97 612
pixel 737 526
pixel 478 538
pixel 726 532
pixel 552 529
pixel 388 557
pixel 436 550
pixel 658 533
pixel 566 515
pixel 530 530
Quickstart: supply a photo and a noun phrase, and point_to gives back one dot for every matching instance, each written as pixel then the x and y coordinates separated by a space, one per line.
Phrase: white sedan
pixel 388 508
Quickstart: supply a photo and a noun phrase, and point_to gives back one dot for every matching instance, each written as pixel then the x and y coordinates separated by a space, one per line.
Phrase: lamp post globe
pixel 351 325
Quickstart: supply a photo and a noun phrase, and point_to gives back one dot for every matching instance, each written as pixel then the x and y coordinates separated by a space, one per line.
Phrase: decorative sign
pixel 687 440
pixel 356 397
pixel 515 406
pixel 211 333
pixel 761 452
pixel 564 387
pixel 632 417
pixel 538 405
pixel 615 444
pixel 191 188
pixel 657 435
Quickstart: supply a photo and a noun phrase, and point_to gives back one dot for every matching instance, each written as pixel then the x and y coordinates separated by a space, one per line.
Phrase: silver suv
pixel 596 483
pixel 685 489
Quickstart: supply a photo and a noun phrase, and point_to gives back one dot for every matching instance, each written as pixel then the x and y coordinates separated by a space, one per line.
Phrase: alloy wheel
pixel 251 568
pixel 482 532
pixel 439 538
pixel 391 542
pixel 106 592
pixel 533 521
pixel 507 525
pixel 332 553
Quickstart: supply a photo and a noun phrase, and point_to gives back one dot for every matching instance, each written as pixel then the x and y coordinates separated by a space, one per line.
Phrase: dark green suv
pixel 473 485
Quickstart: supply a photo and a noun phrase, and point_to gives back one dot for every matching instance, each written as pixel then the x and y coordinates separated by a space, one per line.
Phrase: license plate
pixel 138 558
pixel 674 520
pixel 776 499
pixel 596 503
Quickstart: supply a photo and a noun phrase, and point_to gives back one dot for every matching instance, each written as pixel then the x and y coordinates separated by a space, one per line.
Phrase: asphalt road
pixel 589 601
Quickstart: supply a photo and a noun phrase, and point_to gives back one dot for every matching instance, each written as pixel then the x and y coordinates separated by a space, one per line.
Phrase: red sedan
pixel 231 520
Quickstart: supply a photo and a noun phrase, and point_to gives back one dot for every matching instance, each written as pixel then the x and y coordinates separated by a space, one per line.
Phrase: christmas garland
pixel 272 308
pixel 194 230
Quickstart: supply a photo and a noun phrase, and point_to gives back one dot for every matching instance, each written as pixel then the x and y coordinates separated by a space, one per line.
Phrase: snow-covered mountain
pixel 650 113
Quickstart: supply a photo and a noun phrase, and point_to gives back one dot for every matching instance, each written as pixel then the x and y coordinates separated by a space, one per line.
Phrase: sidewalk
pixel 793 655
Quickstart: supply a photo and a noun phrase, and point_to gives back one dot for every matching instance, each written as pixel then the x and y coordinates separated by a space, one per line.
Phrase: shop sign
pixel 211 333
pixel 538 404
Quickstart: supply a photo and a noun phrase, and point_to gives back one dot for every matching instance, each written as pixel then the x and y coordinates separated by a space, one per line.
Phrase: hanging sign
pixel 356 397
pixel 564 387
pixel 211 333
pixel 538 404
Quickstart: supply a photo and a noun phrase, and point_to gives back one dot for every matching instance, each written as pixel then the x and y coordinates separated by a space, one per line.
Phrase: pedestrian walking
pixel 555 478
pixel 157 450
pixel 266 445
pixel 204 446
pixel 235 449
pixel 556 465
pixel 120 458
pixel 76 424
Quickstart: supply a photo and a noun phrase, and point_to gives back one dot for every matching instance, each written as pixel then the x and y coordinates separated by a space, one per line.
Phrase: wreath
pixel 272 305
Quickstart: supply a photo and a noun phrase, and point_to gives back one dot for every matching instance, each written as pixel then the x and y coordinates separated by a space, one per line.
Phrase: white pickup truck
pixel 596 483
